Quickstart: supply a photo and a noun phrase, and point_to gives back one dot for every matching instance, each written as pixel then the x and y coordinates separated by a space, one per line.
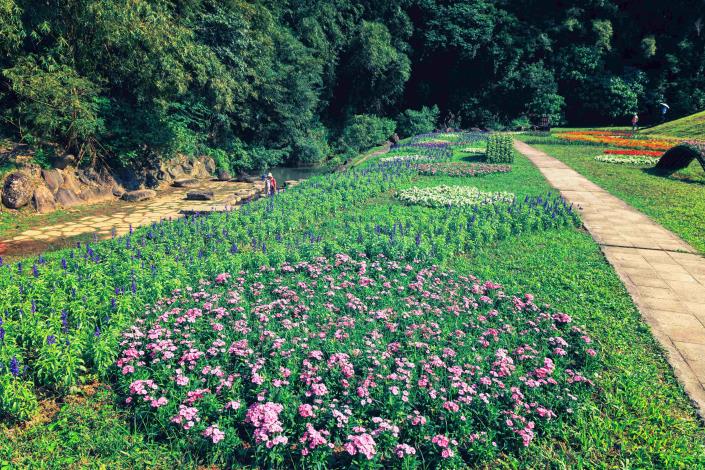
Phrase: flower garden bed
pixel 637 160
pixel 344 361
pixel 452 196
pixel 617 139
pixel 461 169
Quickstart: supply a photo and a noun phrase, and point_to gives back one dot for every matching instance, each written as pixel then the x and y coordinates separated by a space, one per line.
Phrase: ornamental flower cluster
pixel 650 153
pixel 347 360
pixel 452 196
pixel 617 139
pixel 461 169
pixel 637 160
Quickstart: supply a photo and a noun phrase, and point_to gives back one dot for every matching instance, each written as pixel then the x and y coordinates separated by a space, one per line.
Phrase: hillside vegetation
pixel 689 127
pixel 254 83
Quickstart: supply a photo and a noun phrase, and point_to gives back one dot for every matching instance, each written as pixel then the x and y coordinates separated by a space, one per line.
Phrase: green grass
pixel 677 202
pixel 639 417
pixel 689 127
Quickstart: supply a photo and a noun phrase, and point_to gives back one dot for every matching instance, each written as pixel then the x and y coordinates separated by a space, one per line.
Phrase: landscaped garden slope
pixel 677 201
pixel 689 127
pixel 633 414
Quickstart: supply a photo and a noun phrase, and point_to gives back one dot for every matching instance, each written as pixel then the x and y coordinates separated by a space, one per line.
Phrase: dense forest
pixel 254 83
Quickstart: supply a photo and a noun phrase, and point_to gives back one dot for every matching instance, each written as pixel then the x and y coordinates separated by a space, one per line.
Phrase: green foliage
pixel 363 131
pixel 499 149
pixel 423 121
pixel 680 157
pixel 17 399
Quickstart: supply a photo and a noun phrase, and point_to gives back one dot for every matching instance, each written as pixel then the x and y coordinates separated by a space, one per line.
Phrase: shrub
pixel 311 148
pixel 364 131
pixel 499 149
pixel 345 362
pixel 412 122
pixel 680 156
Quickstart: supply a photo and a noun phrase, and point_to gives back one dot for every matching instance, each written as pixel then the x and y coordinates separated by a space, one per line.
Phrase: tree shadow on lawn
pixel 473 158
pixel 675 175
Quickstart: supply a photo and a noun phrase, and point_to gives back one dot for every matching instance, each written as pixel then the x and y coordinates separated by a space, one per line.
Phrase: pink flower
pixel 222 278
pixel 440 440
pixel 362 443
pixel 306 411
pixel 214 433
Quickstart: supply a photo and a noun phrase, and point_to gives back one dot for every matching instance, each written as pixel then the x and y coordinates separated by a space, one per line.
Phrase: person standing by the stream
pixel 272 185
pixel 267 184
pixel 635 122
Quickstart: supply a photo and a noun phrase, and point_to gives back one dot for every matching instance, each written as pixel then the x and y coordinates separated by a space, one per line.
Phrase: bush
pixel 412 122
pixel 680 156
pixel 364 131
pixel 499 149
pixel 311 148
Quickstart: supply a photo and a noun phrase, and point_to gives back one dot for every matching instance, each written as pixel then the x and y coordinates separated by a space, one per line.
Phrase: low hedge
pixel 499 149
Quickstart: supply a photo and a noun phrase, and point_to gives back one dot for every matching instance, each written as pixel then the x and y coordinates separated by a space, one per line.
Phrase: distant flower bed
pixel 650 153
pixel 349 362
pixel 404 158
pixel 456 196
pixel 639 160
pixel 461 169
pixel 617 139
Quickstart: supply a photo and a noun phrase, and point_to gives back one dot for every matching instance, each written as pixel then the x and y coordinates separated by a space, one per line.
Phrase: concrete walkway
pixel 664 275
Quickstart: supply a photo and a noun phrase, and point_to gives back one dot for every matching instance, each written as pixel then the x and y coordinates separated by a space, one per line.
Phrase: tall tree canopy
pixel 264 81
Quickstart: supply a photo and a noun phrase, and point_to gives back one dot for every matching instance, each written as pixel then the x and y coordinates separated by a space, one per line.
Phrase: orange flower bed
pixel 618 139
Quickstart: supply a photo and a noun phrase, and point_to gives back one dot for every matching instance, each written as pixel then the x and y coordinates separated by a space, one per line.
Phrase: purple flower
pixel 96 333
pixel 51 339
pixel 14 366
pixel 2 333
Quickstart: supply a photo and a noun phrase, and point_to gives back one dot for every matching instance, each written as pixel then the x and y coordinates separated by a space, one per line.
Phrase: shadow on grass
pixel 674 175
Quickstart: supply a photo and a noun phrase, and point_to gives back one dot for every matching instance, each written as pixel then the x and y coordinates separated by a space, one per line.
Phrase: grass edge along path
pixel 663 313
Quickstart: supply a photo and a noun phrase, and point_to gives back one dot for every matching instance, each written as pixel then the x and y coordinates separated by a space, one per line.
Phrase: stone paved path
pixel 167 204
pixel 664 275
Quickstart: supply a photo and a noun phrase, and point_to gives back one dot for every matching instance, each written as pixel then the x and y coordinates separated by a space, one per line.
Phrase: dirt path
pixel 664 275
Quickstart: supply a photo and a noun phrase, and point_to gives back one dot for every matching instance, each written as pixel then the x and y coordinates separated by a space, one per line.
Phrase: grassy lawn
pixel 637 417
pixel 677 201
pixel 689 127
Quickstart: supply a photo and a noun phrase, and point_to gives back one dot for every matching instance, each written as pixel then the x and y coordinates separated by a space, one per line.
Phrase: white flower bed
pixel 639 160
pixel 405 158
pixel 458 196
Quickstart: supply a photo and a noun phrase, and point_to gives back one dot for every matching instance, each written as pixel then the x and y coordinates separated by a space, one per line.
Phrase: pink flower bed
pixel 344 361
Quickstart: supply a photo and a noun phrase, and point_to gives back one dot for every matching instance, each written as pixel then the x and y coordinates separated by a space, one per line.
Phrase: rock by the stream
pixel 43 199
pixel 53 178
pixel 186 183
pixel 67 198
pixel 64 161
pixel 199 195
pixel 139 195
pixel 17 190
pixel 223 175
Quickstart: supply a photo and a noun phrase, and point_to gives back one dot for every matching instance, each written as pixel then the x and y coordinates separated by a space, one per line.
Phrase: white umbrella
pixel 664 105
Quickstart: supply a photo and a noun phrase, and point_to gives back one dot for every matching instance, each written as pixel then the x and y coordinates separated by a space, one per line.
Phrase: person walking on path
pixel 635 122
pixel 272 189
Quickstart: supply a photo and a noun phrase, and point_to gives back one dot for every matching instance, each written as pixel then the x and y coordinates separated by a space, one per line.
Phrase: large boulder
pixel 209 164
pixel 17 190
pixel 139 195
pixel 53 179
pixel 199 195
pixel 67 198
pixel 223 175
pixel 43 199
pixel 186 183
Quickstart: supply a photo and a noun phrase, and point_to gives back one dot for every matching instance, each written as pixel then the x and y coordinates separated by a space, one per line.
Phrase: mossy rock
pixel 680 156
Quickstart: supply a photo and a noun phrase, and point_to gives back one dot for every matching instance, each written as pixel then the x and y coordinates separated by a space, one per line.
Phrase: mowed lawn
pixel 639 417
pixel 677 202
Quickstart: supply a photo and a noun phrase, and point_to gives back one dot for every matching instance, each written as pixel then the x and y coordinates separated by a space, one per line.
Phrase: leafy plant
pixel 423 121
pixel 499 149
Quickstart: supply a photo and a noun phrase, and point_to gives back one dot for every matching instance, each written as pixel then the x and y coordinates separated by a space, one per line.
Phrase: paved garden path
pixel 664 275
